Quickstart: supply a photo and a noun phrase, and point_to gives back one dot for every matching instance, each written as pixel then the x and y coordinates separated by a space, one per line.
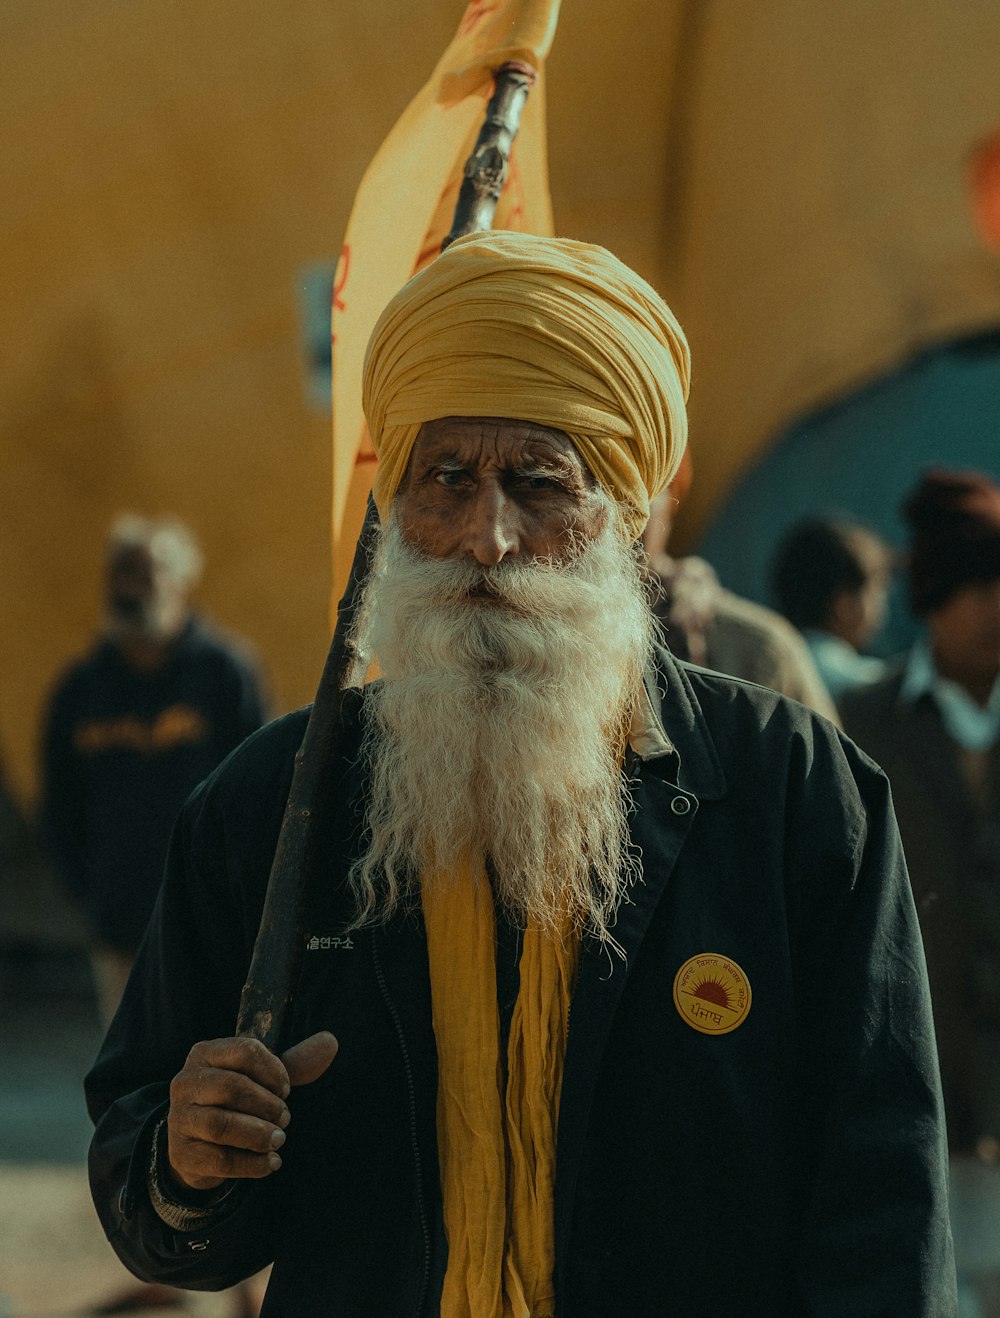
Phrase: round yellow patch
pixel 712 993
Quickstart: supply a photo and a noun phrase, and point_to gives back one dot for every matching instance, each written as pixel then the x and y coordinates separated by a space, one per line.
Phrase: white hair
pixel 497 731
pixel 168 541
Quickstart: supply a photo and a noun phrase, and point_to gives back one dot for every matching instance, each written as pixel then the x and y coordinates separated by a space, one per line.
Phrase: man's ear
pixel 843 615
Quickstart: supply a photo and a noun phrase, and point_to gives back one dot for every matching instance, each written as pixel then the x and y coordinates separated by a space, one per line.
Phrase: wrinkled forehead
pixel 501 441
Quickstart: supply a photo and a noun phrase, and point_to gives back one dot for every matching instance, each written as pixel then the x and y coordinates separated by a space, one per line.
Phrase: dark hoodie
pixel 122 750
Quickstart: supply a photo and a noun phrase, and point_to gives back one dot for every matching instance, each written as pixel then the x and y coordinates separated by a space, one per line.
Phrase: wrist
pixel 177 1204
pixel 174 1185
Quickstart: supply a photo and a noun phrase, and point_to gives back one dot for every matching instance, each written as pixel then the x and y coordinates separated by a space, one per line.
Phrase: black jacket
pixel 122 752
pixel 793 1166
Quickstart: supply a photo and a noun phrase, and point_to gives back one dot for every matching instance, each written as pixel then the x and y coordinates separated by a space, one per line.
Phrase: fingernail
pixel 285 1118
pixel 277 1138
pixel 286 1090
pixel 273 1161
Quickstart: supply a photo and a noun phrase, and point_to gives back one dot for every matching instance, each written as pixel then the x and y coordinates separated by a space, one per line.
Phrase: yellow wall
pixel 170 166
pixel 820 231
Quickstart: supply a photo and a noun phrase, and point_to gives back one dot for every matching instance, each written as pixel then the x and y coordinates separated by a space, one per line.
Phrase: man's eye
pixel 450 477
pixel 537 482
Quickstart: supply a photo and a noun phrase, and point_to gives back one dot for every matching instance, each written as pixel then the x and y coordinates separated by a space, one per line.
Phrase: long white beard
pixel 498 729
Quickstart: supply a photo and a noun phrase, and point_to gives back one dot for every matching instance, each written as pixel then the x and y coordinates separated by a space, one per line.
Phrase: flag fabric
pixel 403 211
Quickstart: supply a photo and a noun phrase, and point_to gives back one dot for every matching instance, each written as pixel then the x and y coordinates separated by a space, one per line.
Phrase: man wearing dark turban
pixel 619 954
pixel 934 727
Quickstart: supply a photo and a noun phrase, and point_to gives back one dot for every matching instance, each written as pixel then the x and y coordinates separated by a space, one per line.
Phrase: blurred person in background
pixel 131 729
pixel 709 625
pixel 831 580
pixel 933 724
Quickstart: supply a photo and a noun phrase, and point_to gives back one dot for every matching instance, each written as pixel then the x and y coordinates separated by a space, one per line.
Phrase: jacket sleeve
pixel 185 987
pixel 875 1231
pixel 62 797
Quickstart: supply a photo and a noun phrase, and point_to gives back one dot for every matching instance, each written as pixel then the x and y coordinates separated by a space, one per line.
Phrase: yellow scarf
pixel 497 1169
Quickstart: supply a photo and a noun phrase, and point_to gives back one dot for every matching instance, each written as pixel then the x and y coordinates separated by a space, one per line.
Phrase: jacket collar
pixel 671 725
pixel 968 724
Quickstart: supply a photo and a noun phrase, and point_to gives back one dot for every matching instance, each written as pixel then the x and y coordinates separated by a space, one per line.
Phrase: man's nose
pixel 491 532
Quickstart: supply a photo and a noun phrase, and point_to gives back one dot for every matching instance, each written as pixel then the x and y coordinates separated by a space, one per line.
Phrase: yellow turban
pixel 547 330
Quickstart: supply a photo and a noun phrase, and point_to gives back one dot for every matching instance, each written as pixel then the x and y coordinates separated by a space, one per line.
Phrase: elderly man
pixel 131 729
pixel 620 954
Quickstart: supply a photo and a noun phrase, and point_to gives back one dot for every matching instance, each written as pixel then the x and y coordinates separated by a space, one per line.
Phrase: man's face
pixel 144 597
pixel 489 490
pixel 966 631
pixel 511 624
pixel 856 615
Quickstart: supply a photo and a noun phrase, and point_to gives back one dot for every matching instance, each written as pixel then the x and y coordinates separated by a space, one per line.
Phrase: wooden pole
pixel 277 951
pixel 486 169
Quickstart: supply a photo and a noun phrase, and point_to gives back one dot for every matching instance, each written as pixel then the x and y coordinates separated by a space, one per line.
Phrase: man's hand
pixel 227 1113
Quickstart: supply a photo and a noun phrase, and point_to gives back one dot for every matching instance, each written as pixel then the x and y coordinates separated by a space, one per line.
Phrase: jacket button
pixel 680 805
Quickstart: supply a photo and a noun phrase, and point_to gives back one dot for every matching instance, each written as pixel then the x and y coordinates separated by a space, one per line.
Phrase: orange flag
pixel 403 212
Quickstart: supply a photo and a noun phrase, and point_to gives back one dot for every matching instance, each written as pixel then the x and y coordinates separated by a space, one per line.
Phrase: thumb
pixel 307 1061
